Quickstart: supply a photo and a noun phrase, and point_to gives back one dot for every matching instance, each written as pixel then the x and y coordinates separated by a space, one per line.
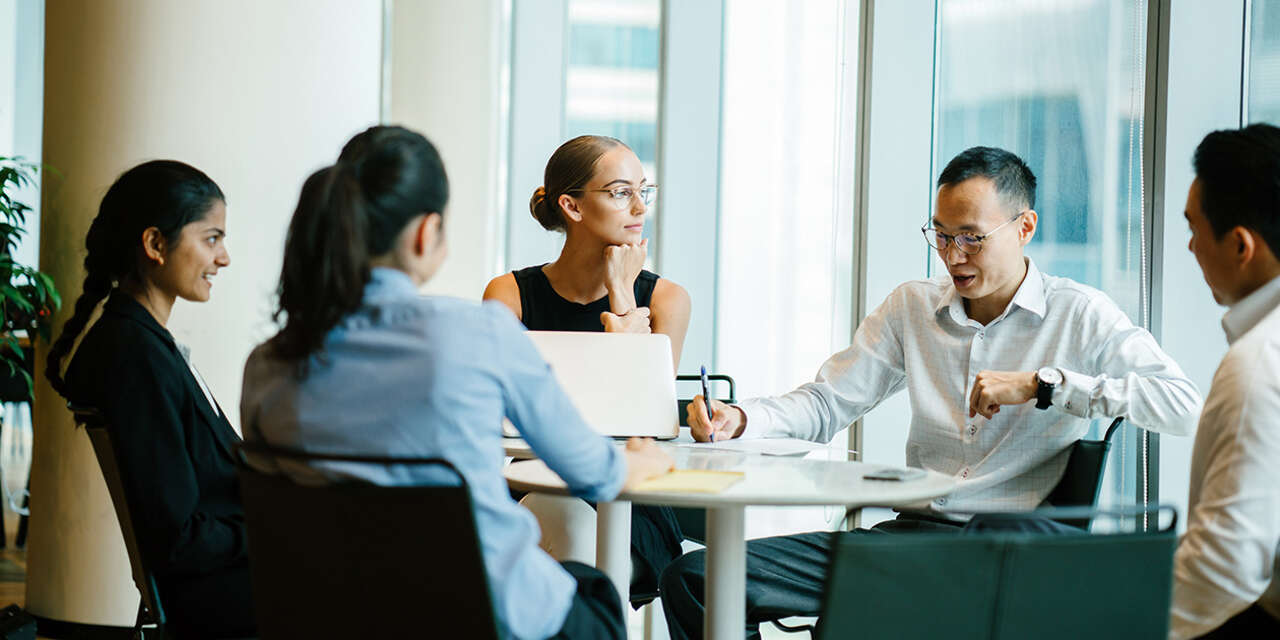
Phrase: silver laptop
pixel 623 384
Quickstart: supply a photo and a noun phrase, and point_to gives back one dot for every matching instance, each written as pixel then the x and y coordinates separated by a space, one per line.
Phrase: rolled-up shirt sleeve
pixel 590 464
pixel 1135 378
pixel 849 384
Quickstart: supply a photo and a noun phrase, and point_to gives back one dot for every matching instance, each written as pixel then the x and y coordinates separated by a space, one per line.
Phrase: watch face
pixel 1049 375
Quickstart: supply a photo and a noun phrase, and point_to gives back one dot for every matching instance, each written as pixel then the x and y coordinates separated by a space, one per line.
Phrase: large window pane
pixel 577 67
pixel 778 307
pixel 611 76
pixel 777 298
pixel 1264 62
pixel 1060 83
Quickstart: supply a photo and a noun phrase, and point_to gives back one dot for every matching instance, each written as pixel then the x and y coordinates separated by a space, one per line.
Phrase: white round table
pixel 767 480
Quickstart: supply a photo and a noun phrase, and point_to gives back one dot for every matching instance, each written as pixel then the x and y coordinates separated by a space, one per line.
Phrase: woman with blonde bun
pixel 595 192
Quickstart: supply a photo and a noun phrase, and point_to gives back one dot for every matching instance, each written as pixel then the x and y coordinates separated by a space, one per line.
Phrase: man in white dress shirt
pixel 1225 568
pixel 1005 368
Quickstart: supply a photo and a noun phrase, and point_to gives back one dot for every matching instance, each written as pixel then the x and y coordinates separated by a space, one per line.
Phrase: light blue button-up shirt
pixel 408 375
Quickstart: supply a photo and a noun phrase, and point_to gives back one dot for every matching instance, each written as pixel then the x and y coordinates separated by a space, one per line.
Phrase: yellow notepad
pixel 692 481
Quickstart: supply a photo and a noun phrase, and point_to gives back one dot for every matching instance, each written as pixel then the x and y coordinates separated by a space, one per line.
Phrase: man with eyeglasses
pixel 1005 368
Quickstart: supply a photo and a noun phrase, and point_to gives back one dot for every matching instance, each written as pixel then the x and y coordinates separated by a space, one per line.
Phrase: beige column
pixel 257 95
pixel 447 81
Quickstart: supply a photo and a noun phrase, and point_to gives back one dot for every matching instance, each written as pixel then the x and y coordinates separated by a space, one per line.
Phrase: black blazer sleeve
pixel 179 480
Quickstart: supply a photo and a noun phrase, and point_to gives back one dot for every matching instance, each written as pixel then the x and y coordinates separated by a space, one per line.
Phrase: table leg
pixel 613 545
pixel 726 593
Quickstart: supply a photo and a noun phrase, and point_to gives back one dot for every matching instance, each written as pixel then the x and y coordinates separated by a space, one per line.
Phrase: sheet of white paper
pixel 763 446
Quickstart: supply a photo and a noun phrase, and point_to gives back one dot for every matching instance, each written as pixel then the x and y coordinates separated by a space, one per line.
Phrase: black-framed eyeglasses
pixel 967 243
pixel 622 195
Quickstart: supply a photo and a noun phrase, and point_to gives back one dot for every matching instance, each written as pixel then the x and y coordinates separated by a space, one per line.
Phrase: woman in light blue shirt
pixel 365 365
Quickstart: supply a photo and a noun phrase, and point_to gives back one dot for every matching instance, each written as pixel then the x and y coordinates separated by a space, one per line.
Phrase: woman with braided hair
pixel 158 236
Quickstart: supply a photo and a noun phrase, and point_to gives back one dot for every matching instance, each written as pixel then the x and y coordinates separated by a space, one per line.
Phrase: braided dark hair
pixel 164 194
pixel 348 214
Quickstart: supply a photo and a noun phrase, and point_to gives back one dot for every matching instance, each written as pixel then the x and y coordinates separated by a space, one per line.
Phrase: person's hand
pixel 725 421
pixel 622 264
pixel 634 321
pixel 645 460
pixel 991 389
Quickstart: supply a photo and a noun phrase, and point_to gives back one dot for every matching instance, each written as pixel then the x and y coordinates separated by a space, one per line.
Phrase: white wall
pixel 256 94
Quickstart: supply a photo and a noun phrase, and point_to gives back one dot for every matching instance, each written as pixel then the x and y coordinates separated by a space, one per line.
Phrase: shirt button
pixel 972 429
pixel 981 335
pixel 940 501
pixel 964 473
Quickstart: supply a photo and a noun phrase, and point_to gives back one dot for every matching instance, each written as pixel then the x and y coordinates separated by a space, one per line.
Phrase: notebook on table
pixel 622 384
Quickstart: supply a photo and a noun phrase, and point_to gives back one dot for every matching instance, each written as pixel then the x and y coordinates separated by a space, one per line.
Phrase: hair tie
pixel 539 195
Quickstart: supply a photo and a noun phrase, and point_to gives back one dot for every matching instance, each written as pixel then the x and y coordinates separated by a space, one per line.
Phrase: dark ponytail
pixel 164 194
pixel 348 214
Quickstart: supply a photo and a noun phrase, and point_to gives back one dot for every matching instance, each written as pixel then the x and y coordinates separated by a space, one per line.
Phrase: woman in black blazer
pixel 158 236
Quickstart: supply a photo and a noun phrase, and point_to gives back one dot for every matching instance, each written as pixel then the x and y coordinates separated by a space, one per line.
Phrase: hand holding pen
pixel 711 420
pixel 706 401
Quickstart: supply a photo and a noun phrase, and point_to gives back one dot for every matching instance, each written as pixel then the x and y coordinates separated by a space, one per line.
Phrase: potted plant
pixel 28 297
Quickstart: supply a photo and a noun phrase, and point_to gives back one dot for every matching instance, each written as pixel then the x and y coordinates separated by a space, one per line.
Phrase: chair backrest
pixel 682 405
pixel 150 612
pixel 352 559
pixel 999 586
pixel 1082 479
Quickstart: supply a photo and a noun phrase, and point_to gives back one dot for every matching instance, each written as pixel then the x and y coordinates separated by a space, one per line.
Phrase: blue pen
pixel 706 402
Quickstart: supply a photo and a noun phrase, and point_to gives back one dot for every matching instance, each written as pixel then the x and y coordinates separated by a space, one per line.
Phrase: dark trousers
pixel 218 605
pixel 655 543
pixel 786 574
pixel 1253 622
pixel 596 611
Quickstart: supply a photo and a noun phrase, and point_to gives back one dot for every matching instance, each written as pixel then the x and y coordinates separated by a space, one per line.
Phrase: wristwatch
pixel 1047 378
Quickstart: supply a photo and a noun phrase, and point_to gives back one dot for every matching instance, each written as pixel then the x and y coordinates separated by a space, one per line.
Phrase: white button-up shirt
pixel 1228 558
pixel 921 339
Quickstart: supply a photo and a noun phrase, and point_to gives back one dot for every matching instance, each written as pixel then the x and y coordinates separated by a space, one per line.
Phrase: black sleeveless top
pixel 542 309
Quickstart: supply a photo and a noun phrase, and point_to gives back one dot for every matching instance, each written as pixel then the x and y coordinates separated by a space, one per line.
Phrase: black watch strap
pixel 1044 394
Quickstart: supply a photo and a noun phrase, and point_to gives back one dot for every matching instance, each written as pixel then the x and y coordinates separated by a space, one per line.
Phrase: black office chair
pixel 1001 586
pixel 693 522
pixel 356 560
pixel 1080 486
pixel 150 621
pixel 1082 479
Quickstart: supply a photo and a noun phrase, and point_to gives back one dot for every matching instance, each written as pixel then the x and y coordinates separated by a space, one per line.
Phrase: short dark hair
pixel 1239 172
pixel 1012 177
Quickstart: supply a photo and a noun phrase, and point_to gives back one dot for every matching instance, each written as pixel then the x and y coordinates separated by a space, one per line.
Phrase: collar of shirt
pixel 1029 296
pixel 204 388
pixel 385 282
pixel 1247 313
